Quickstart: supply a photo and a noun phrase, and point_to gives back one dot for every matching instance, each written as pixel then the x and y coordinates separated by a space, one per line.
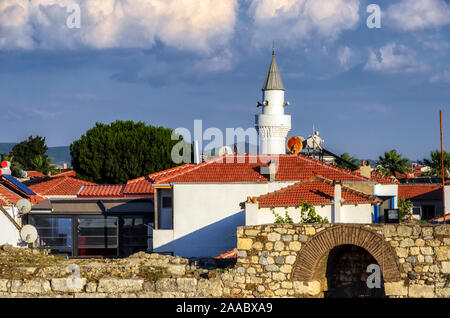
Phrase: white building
pixel 198 208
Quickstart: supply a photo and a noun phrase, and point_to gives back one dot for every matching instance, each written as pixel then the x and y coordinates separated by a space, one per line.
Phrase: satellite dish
pixel 24 206
pixel 295 144
pixel 225 150
pixel 29 233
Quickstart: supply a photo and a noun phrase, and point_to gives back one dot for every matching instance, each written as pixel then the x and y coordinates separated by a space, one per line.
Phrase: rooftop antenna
pixel 273 47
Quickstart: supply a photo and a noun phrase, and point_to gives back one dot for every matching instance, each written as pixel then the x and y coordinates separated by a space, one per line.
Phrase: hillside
pixel 59 155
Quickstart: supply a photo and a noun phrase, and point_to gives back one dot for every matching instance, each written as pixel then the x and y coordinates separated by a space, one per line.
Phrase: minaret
pixel 273 125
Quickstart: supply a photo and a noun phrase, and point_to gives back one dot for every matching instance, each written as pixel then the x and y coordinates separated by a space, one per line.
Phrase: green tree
pixel 344 165
pixel 393 162
pixel 435 163
pixel 121 151
pixel 309 215
pixel 405 208
pixel 25 153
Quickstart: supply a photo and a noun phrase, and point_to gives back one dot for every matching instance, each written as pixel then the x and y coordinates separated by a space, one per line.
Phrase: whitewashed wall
pixel 8 232
pixel 361 213
pixel 205 216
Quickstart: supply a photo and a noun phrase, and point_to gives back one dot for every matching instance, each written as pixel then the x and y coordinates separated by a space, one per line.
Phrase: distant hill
pixel 59 155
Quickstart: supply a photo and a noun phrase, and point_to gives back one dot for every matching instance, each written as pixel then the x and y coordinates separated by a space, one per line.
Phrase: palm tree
pixel 393 162
pixel 342 164
pixel 435 163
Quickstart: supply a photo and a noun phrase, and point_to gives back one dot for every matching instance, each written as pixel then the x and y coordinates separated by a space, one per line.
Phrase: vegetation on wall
pixel 122 150
pixel 405 208
pixel 347 157
pixel 279 219
pixel 309 215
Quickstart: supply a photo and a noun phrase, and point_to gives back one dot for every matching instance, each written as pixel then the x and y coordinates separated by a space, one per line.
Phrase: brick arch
pixel 311 259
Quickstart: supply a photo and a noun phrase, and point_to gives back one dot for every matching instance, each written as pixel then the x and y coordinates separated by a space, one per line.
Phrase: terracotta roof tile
pixel 68 173
pixel 59 186
pixel 101 190
pixel 317 191
pixel 420 191
pixel 254 168
pixel 228 255
pixel 10 194
pixel 35 174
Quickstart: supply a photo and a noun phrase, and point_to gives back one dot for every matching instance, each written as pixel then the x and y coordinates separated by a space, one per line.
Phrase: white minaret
pixel 273 125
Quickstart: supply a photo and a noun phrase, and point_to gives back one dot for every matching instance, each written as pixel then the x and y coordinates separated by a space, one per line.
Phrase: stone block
pixel 404 230
pixel 421 291
pixel 36 286
pixel 114 285
pixel 166 285
pixel 396 288
pixel 68 284
pixel 401 252
pixel 295 246
pixel 279 246
pixel 244 244
pixel 389 230
pixel 273 237
pixel 442 230
pixel 307 288
pixel 426 250
pixel 187 284
pixel 3 285
pixel 442 253
pixel 178 270
pixel 445 267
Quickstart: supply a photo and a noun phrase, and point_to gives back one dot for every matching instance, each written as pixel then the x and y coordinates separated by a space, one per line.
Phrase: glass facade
pixel 93 235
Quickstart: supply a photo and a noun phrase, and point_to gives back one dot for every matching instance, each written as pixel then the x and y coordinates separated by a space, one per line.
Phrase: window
pixel 167 202
pixel 97 236
pixel 136 232
pixel 55 234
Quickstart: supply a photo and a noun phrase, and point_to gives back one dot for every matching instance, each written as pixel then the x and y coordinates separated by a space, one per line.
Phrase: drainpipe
pixel 377 213
pixel 337 201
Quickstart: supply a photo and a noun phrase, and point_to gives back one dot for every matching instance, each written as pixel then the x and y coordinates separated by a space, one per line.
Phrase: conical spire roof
pixel 273 78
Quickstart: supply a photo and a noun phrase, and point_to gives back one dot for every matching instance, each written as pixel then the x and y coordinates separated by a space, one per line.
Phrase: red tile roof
pixel 68 173
pixel 228 255
pixel 101 190
pixel 35 174
pixel 420 191
pixel 248 168
pixel 317 191
pixel 10 194
pixel 59 186
pixel 139 187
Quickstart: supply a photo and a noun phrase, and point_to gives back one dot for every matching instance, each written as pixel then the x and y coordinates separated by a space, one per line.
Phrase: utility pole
pixel 443 169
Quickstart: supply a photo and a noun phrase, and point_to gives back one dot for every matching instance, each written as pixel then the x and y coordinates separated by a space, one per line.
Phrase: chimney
pixel 365 170
pixel 337 201
pixel 273 167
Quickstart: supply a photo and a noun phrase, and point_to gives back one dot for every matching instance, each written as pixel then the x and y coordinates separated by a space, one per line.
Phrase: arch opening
pixel 346 274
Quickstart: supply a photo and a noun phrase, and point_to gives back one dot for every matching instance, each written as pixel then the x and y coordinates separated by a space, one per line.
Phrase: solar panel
pixel 19 184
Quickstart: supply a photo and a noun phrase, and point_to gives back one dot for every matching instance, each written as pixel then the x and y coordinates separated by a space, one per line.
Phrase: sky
pixel 170 62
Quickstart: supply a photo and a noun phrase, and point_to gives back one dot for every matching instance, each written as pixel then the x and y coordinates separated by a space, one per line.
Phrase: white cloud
pixel 294 20
pixel 394 58
pixel 409 15
pixel 200 25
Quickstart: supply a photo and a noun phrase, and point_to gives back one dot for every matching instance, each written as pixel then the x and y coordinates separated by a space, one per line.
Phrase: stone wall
pixel 140 275
pixel 278 260
pixel 290 259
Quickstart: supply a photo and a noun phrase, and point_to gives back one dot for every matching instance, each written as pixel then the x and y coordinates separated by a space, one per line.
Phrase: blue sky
pixel 173 61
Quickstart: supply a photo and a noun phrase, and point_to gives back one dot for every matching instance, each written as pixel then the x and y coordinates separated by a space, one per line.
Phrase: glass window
pixel 97 236
pixel 135 234
pixel 54 233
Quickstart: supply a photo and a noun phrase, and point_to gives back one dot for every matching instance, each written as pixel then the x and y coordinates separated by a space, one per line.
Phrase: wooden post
pixel 442 166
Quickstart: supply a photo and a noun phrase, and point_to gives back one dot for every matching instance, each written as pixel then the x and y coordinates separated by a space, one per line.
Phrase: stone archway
pixel 311 260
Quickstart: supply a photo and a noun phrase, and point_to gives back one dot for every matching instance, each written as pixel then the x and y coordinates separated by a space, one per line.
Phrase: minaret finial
pixel 273 48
